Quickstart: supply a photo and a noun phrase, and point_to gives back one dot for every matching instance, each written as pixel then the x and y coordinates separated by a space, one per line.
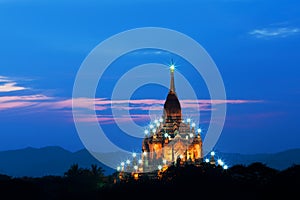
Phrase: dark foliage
pixel 255 181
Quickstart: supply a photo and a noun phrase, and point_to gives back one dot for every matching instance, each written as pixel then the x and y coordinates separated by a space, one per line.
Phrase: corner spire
pixel 172 83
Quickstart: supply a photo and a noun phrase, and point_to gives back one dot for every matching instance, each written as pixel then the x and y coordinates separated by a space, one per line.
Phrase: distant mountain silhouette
pixel 37 162
pixel 280 160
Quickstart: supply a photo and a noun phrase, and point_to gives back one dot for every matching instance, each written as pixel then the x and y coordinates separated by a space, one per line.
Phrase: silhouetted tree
pixel 97 171
pixel 4 177
pixel 255 181
pixel 74 171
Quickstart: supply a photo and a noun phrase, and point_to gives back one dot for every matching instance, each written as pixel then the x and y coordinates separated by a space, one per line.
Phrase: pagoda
pixel 170 139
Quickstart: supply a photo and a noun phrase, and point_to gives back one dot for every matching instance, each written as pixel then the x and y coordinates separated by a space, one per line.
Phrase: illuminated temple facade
pixel 171 139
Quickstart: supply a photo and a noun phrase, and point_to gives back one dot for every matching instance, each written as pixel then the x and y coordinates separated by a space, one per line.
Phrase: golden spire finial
pixel 172 83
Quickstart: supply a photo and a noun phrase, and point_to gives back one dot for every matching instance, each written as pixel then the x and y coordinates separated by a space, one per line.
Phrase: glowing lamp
pixel 188 120
pixel 146 132
pixel 134 155
pixel 122 163
pixel 151 126
pixel 161 120
pixel 191 135
pixel 135 167
pixel 145 153
pixel 136 176
pixel 118 168
pixel 159 167
pixel 166 135
pixel 220 162
pixel 225 167
pixel 193 124
pixel 207 160
pixel 140 161
pixel 212 153
pixel 127 162
pixel 199 130
pixel 172 68
pixel 156 121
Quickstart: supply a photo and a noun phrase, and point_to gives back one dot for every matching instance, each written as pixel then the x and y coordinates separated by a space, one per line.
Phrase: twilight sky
pixel 255 45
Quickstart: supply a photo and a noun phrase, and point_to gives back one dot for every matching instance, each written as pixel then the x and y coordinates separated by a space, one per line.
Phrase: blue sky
pixel 255 45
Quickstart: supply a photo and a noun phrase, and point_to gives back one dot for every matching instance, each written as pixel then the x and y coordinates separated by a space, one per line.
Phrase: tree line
pixel 255 181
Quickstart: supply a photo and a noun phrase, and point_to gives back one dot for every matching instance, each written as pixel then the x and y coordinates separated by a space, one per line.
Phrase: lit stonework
pixel 171 139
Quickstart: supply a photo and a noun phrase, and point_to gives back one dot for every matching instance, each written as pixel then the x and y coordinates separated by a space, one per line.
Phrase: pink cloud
pixel 110 119
pixel 100 104
pixel 145 104
pixel 9 105
pixel 190 106
pixel 12 102
pixel 10 87
pixel 37 97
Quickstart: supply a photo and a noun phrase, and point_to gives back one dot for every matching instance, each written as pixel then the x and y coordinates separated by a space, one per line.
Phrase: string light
pixel 159 167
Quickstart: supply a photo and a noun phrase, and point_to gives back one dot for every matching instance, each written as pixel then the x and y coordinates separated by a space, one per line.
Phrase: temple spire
pixel 172 83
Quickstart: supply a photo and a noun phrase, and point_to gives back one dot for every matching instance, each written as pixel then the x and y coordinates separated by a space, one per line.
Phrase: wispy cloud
pixel 4 79
pixel 149 52
pixel 145 104
pixel 139 108
pixel 274 32
pixel 36 97
pixel 9 85
pixel 14 102
pixel 109 119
